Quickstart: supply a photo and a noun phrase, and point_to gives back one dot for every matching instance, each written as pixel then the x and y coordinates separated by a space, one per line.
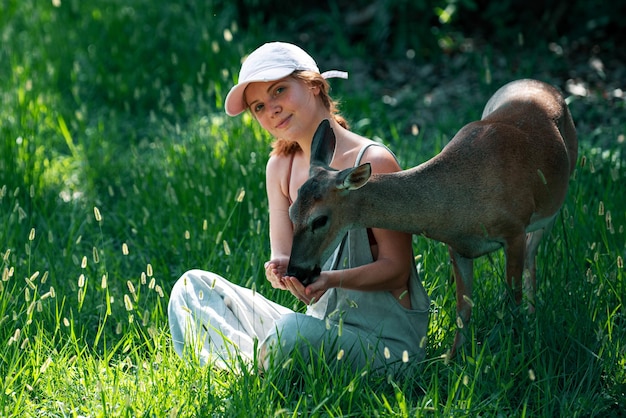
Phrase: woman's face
pixel 286 108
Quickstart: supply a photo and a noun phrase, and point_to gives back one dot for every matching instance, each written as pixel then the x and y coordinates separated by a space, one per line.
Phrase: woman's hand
pixel 275 272
pixel 296 288
pixel 310 294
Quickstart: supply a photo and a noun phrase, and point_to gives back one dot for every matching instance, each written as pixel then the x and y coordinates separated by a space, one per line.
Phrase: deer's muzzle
pixel 305 275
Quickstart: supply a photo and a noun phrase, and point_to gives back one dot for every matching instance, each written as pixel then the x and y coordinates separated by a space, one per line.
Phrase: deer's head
pixel 322 213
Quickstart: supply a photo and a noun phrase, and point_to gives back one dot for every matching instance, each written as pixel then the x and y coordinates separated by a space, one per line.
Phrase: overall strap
pixel 293 156
pixel 373 144
pixel 340 248
pixel 362 152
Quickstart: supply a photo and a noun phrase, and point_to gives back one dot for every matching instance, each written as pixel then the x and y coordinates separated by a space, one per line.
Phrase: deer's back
pixel 534 107
pixel 510 170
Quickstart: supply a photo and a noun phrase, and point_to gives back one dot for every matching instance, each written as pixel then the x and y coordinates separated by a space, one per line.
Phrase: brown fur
pixel 499 183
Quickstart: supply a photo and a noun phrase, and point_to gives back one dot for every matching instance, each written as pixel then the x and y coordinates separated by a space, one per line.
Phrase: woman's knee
pixel 292 333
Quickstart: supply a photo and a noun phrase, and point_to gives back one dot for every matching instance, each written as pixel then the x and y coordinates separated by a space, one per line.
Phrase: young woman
pixel 367 307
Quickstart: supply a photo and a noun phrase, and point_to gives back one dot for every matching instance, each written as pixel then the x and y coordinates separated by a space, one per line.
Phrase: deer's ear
pixel 354 178
pixel 323 145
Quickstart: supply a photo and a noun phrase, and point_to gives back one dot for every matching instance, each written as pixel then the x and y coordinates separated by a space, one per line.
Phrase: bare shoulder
pixel 276 175
pixel 277 166
pixel 380 157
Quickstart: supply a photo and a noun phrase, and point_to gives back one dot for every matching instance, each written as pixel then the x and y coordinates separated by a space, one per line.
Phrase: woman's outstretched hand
pixel 275 272
pixel 309 294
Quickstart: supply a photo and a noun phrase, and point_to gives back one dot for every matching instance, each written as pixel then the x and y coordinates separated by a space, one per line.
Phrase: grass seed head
pixel 240 195
pixel 97 215
pixel 30 283
pixel 131 287
pixel 287 363
pixel 609 222
pixel 21 214
pixel 45 365
pixel 127 303
pixel 16 334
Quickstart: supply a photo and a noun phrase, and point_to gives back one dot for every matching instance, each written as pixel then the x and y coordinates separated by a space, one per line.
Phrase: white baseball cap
pixel 269 62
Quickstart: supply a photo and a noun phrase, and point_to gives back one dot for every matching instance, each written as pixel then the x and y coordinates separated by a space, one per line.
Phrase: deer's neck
pixel 383 201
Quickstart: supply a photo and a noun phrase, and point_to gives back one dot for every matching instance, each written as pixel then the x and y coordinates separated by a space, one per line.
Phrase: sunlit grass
pixel 108 194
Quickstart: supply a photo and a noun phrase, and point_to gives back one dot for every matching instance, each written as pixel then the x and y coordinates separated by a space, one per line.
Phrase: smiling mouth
pixel 283 122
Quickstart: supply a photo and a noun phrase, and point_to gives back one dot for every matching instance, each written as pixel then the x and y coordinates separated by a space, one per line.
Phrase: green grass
pixel 117 176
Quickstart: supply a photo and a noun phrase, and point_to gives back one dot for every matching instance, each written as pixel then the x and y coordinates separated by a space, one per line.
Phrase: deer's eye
pixel 319 222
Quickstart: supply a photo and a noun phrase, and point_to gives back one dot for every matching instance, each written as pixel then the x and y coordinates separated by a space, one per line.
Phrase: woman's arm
pixel 392 254
pixel 281 228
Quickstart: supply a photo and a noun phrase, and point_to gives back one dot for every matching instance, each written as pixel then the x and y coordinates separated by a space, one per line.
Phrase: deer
pixel 498 183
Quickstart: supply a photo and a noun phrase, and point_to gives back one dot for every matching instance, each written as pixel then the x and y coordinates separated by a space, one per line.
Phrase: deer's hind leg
pixel 464 277
pixel 533 240
pixel 515 250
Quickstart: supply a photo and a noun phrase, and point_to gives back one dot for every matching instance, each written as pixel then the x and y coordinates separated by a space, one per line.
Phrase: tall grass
pixel 118 172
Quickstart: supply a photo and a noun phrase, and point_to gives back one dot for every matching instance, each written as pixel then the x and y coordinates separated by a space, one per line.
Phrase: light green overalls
pixel 216 321
pixel 372 328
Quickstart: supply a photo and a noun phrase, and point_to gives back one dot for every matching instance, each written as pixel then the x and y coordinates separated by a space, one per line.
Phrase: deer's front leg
pixel 463 277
